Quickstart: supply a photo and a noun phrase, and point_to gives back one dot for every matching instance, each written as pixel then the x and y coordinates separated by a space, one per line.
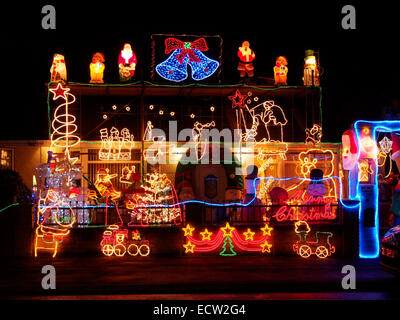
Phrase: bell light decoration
pixel 280 71
pixel 185 54
pixel 58 70
pixel 311 69
pixel 246 57
pixel 97 68
pixel 127 63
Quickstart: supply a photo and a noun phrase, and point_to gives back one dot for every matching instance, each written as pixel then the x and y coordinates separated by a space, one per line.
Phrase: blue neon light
pixel 369 236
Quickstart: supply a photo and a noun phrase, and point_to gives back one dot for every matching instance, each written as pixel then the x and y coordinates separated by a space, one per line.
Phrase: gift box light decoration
pixel 117 242
pixel 322 247
pixel 246 57
pixel 58 70
pixel 311 69
pixel 116 145
pixel 157 205
pixel 97 68
pixel 184 54
pixel 280 71
pixel 127 63
pixel 228 239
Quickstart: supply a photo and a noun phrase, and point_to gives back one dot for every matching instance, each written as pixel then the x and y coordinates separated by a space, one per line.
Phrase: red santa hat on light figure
pixel 350 149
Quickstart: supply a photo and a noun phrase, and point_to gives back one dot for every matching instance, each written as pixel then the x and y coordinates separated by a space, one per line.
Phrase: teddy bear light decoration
pixel 97 68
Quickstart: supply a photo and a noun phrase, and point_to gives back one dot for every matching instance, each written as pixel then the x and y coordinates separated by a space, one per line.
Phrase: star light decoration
pixel 59 91
pixel 237 100
pixel 227 230
pixel 249 235
pixel 206 235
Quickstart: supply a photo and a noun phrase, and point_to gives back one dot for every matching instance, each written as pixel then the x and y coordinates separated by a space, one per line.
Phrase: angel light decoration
pixel 58 70
pixel 280 71
pixel 127 63
pixel 97 68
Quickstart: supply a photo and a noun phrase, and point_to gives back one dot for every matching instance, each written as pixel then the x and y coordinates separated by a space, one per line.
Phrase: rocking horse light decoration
pixel 184 54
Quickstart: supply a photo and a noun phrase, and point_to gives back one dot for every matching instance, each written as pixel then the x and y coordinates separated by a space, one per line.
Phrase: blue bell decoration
pixel 203 69
pixel 171 69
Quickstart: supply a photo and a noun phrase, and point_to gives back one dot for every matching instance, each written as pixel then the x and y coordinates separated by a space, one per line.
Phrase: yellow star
pixel 206 235
pixel 266 230
pixel 249 234
pixel 188 230
pixel 189 247
pixel 266 247
pixel 227 230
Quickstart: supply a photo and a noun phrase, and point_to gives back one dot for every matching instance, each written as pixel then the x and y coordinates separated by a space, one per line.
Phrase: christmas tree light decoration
pixel 314 135
pixel 63 124
pixel 322 247
pixel 158 204
pixel 97 68
pixel 311 69
pixel 127 63
pixel 183 54
pixel 116 242
pixel 58 70
pixel 228 239
pixel 115 146
pixel 280 71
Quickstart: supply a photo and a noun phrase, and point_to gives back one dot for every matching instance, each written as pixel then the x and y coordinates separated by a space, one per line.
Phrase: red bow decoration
pixel 172 44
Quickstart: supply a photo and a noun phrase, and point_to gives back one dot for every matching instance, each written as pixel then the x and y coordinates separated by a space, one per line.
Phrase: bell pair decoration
pixel 184 54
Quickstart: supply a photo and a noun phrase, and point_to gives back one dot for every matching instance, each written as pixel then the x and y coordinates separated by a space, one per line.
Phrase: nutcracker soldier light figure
pixel 311 69
pixel 97 68
pixel 280 71
pixel 126 63
pixel 246 57
pixel 58 71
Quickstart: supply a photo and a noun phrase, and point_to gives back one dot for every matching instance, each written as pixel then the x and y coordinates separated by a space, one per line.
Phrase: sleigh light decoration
pixel 116 145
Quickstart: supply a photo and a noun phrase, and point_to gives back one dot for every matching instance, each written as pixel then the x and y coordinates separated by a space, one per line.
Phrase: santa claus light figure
pixel 246 56
pixel 58 70
pixel 127 63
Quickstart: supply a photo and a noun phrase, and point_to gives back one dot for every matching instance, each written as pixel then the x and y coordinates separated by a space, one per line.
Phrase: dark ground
pixel 191 278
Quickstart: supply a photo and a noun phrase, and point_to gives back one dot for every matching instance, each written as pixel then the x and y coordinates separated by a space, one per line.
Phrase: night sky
pixel 361 67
